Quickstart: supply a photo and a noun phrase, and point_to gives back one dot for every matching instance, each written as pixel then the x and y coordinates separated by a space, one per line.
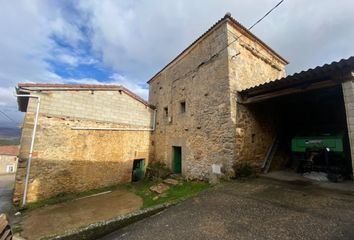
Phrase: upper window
pixel 183 107
pixel 165 110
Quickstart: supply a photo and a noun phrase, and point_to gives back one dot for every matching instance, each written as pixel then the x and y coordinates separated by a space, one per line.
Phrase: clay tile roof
pixel 58 85
pixel 237 25
pixel 68 87
pixel 9 150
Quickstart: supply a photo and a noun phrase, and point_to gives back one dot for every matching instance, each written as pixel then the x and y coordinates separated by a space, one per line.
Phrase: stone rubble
pixel 159 188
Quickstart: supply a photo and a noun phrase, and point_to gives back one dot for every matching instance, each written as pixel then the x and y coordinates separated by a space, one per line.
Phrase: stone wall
pixel 348 94
pixel 108 106
pixel 5 161
pixel 207 77
pixel 204 130
pixel 67 160
pixel 255 132
pixel 251 64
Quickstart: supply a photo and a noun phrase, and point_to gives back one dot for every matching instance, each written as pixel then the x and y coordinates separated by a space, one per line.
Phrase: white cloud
pixel 137 38
pixel 131 85
pixel 68 59
pixel 5 95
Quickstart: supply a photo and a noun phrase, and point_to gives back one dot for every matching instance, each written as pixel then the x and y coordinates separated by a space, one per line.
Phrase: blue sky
pixel 126 42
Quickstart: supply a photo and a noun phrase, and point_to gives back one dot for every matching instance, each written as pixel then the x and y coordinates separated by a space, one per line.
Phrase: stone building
pixel 195 97
pixel 8 159
pixel 88 136
pixel 225 100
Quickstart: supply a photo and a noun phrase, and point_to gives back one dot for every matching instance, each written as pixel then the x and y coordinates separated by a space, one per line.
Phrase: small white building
pixel 8 159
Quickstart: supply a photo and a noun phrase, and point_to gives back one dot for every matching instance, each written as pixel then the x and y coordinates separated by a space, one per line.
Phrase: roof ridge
pixel 86 86
pixel 226 17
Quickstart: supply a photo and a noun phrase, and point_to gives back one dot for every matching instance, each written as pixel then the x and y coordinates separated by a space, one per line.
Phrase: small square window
pixel 165 110
pixel 10 168
pixel 183 107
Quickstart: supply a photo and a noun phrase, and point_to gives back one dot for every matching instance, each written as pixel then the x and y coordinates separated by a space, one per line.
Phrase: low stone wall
pixel 67 160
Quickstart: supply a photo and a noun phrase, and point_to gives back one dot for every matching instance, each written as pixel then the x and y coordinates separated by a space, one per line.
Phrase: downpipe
pixel 28 168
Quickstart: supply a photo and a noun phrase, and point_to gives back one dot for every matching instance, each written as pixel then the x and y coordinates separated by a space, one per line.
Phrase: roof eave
pixel 25 88
pixel 235 23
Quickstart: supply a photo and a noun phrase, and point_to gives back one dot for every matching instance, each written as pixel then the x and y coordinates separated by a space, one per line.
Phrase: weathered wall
pixel 66 160
pixel 210 131
pixel 348 94
pixel 204 130
pixel 109 106
pixel 255 132
pixel 250 64
pixel 6 160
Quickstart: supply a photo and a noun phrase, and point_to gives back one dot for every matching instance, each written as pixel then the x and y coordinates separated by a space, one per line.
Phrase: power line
pixel 8 117
pixel 259 20
pixel 235 39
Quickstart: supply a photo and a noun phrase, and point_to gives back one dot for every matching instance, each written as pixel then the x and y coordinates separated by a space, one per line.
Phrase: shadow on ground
pixel 55 219
pixel 253 209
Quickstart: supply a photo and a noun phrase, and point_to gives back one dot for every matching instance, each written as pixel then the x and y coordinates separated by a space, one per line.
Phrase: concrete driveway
pixel 254 209
pixel 6 188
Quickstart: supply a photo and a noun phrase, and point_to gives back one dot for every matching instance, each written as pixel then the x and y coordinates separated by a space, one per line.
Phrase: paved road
pixel 254 209
pixel 6 188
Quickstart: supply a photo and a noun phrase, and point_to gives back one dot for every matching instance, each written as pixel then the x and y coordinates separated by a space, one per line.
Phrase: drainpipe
pixel 120 129
pixel 32 144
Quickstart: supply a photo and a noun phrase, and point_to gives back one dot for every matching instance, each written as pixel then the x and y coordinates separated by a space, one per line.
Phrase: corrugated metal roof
pixel 307 75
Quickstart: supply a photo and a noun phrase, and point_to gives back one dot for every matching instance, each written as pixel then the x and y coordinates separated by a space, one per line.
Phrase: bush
pixel 244 170
pixel 156 171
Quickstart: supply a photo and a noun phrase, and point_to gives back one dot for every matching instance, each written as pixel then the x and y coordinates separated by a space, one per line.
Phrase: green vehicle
pixel 325 151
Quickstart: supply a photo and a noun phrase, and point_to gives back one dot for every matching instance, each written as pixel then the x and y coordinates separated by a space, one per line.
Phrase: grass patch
pixel 178 192
pixel 175 193
pixel 64 197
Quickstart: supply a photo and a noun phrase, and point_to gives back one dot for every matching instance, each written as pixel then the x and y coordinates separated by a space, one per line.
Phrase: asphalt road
pixel 6 188
pixel 254 209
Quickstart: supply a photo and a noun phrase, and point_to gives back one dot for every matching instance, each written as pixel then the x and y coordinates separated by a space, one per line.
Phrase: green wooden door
pixel 138 170
pixel 177 159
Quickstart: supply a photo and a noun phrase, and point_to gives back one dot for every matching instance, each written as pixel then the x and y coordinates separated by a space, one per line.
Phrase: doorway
pixel 138 170
pixel 177 159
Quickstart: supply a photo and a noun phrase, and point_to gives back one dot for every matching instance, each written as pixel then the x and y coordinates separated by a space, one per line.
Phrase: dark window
pixel 165 110
pixel 183 107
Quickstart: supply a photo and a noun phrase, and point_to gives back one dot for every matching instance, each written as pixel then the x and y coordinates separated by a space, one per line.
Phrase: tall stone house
pixel 224 100
pixel 196 100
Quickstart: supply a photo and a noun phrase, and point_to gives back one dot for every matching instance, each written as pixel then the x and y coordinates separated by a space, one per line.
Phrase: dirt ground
pixel 6 188
pixel 253 209
pixel 57 218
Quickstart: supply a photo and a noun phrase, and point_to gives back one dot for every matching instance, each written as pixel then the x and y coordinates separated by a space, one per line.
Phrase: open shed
pixel 306 120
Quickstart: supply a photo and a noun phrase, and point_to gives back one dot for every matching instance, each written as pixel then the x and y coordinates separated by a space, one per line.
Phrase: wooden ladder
pixel 270 154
